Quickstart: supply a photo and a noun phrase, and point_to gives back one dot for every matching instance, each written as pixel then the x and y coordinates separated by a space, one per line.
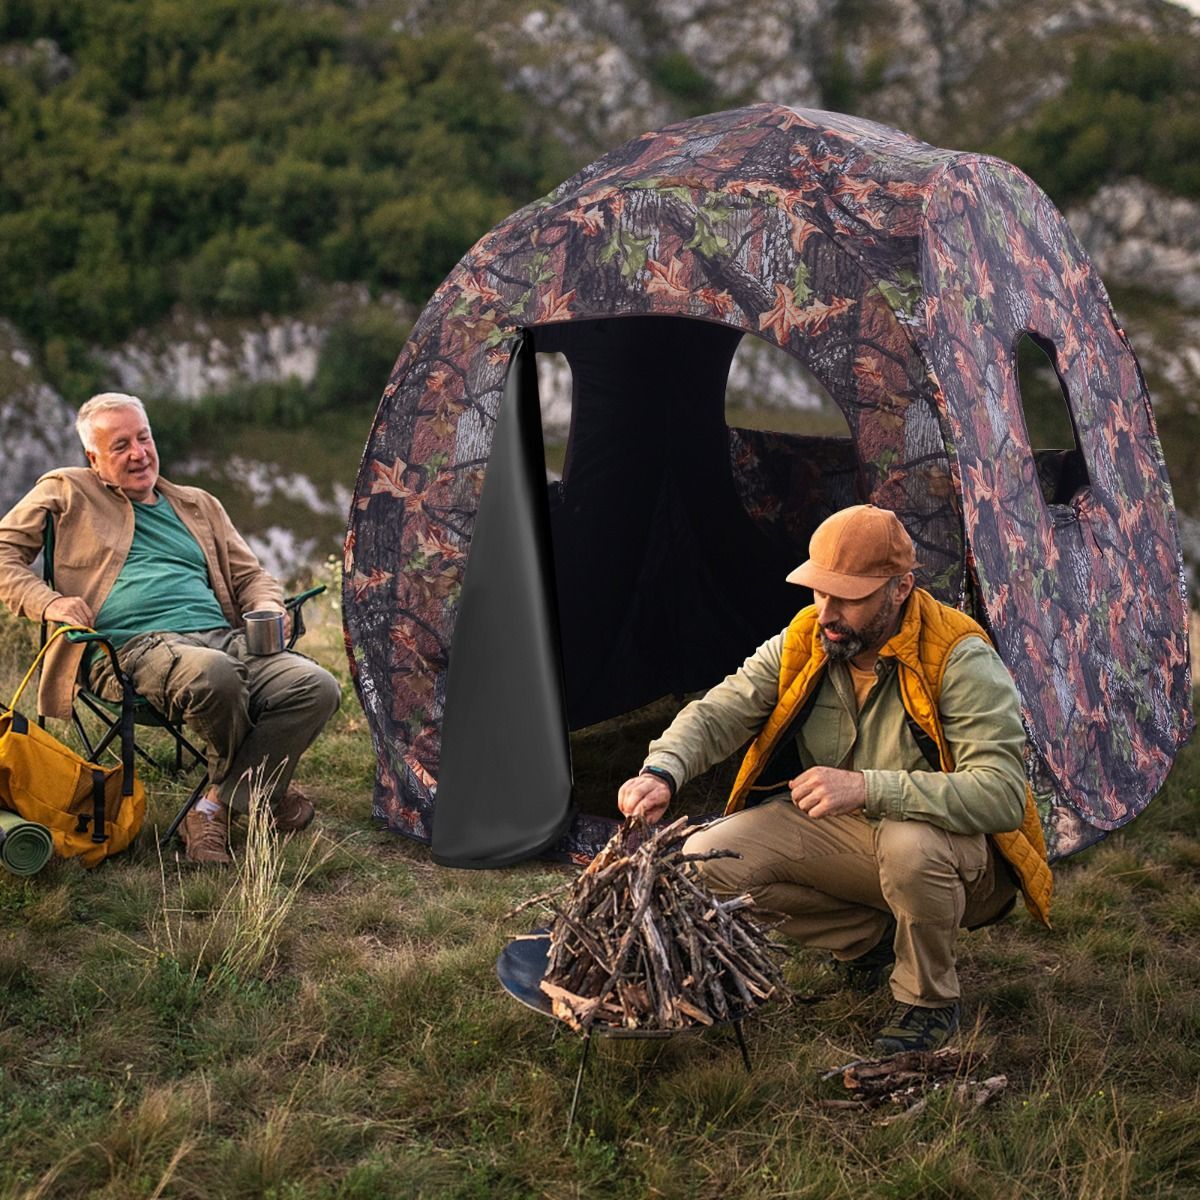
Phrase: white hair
pixel 104 402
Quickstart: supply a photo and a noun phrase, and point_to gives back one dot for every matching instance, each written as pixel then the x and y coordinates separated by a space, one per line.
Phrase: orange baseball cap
pixel 855 552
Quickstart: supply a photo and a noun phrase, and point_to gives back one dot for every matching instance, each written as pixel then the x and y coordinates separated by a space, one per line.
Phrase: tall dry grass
pixel 237 941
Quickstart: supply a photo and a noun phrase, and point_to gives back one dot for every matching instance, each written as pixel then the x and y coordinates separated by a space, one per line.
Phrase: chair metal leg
pixel 111 736
pixel 195 795
pixel 113 730
pixel 83 737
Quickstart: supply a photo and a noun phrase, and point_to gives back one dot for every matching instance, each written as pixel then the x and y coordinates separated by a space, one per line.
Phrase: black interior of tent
pixel 664 582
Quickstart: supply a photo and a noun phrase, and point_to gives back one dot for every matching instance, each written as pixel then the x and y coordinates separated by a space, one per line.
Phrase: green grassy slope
pixel 372 1053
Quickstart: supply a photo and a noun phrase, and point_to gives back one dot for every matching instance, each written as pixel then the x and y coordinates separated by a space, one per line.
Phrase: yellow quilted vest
pixel 921 646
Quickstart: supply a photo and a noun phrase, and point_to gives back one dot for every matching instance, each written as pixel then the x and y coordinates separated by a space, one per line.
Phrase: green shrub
pixel 675 73
pixel 1133 111
pixel 242 273
pixel 357 358
pixel 414 241
pixel 223 152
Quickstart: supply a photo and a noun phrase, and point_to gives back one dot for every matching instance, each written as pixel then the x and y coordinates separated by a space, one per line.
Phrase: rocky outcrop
pixel 1142 237
pixel 37 427
pixel 591 88
pixel 956 72
pixel 188 359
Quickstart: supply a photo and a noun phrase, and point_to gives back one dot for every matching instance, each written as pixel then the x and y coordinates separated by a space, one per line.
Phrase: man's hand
pixel 644 796
pixel 826 791
pixel 69 610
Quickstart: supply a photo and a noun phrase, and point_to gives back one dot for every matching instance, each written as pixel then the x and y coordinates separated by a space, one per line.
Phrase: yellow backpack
pixel 90 810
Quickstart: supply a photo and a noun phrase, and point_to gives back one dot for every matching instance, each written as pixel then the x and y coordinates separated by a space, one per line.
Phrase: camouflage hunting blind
pixel 487 612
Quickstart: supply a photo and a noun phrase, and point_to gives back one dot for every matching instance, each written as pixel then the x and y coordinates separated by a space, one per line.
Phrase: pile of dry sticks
pixel 904 1081
pixel 639 943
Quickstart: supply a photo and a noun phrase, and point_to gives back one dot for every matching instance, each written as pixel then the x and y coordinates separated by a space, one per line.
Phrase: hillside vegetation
pixel 1134 110
pixel 228 153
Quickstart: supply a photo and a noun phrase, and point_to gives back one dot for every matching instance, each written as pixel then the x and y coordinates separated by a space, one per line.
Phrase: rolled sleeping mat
pixel 25 846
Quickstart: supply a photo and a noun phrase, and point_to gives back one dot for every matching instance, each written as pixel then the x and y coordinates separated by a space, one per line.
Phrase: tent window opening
pixel 1061 469
pixel 792 452
pixel 670 551
pixel 770 390
pixel 555 395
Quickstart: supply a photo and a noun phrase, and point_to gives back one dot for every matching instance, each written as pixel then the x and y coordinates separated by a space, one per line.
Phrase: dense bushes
pixel 1133 111
pixel 227 153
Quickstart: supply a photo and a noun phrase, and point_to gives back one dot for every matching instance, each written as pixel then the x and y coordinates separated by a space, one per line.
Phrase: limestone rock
pixel 190 358
pixel 37 427
pixel 1138 235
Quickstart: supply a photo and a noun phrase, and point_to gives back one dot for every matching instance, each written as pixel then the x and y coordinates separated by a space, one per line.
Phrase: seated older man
pixel 161 570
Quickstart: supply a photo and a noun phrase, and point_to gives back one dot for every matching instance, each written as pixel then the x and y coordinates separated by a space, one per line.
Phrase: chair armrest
pixel 294 604
pixel 105 643
pixel 91 637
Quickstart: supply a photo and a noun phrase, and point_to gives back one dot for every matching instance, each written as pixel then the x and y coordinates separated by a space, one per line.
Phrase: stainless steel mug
pixel 264 631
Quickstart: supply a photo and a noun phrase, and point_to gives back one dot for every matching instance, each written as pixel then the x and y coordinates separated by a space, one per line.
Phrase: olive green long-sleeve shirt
pixel 980 715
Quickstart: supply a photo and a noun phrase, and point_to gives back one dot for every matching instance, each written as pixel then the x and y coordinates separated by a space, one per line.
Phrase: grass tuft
pixel 200 947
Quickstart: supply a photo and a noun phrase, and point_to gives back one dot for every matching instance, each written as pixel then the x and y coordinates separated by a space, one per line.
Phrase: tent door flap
pixel 504 788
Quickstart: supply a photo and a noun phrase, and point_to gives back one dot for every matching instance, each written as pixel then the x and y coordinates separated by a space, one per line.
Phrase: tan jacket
pixel 979 710
pixel 93 532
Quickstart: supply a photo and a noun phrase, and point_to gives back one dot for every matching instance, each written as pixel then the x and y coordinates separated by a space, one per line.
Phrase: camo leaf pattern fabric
pixel 902 276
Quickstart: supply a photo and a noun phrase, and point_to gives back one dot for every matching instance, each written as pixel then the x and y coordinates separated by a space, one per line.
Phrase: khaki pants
pixel 836 878
pixel 249 709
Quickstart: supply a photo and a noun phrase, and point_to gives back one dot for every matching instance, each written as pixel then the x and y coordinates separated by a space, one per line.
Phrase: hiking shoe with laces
pixel 910 1027
pixel 866 972
pixel 293 813
pixel 206 836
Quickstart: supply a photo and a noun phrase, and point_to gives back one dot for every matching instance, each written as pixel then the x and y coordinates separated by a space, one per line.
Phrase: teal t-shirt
pixel 164 582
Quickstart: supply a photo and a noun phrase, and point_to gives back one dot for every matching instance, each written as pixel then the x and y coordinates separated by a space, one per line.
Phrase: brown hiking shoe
pixel 206 836
pixel 293 813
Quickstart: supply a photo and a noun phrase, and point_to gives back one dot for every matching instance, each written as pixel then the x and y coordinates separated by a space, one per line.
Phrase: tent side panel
pixel 1084 599
pixel 409 530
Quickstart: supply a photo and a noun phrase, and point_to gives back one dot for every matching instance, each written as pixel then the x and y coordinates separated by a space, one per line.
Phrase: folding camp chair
pixel 119 718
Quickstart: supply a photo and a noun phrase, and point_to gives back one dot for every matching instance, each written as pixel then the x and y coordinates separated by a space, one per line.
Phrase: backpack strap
pixel 925 743
pixel 98 815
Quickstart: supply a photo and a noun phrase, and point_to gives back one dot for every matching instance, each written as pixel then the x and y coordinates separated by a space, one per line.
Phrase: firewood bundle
pixel 639 943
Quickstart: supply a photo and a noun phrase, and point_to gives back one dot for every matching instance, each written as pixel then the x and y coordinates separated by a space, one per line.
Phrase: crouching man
pixel 882 804
pixel 161 570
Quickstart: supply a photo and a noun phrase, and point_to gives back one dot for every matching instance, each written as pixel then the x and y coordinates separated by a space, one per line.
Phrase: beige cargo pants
pixel 835 879
pixel 250 710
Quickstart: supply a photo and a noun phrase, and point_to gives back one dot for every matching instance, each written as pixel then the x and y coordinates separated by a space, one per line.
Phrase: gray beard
pixel 843 651
pixel 871 637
